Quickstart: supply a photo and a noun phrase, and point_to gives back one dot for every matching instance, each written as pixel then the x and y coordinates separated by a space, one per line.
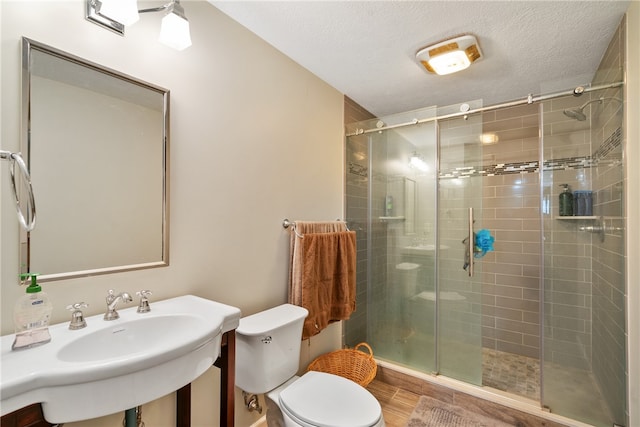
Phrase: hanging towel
pixel 323 273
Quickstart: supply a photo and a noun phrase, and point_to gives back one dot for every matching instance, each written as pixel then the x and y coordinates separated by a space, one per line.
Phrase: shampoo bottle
pixel 566 201
pixel 31 316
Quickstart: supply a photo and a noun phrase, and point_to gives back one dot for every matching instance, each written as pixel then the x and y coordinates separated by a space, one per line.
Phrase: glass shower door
pixel 459 273
pixel 584 311
pixel 391 199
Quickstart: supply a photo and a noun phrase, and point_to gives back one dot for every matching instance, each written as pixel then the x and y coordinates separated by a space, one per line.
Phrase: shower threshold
pixel 490 401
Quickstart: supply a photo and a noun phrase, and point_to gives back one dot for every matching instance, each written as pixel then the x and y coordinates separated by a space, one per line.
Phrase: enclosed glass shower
pixel 541 314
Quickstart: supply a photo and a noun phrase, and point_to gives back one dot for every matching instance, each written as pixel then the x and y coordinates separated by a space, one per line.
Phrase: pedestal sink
pixel 111 366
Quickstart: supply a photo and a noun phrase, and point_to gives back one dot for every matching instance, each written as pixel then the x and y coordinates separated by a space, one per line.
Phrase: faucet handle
pixel 143 306
pixel 77 306
pixel 77 318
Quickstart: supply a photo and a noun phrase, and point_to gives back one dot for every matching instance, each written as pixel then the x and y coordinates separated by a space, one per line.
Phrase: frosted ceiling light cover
pixel 450 55
pixel 489 138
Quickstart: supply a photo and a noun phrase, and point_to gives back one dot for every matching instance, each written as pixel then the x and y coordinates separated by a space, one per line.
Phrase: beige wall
pixel 255 138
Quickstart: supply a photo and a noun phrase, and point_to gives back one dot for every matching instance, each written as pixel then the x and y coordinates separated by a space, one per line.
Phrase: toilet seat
pixel 318 399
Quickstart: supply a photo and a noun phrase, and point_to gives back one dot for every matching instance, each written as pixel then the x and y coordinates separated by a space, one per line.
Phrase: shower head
pixel 578 113
pixel 575 113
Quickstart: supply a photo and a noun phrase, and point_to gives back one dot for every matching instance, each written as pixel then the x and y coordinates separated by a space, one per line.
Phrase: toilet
pixel 267 361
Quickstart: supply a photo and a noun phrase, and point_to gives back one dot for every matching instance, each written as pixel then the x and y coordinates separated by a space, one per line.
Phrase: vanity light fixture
pixel 116 14
pixel 450 56
pixel 122 11
pixel 416 161
pixel 174 31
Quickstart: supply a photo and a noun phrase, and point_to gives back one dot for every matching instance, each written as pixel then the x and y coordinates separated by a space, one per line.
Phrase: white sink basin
pixel 133 337
pixel 111 366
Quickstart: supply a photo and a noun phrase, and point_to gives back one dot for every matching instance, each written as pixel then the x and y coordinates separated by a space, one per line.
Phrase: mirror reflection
pixel 97 148
pixel 409 206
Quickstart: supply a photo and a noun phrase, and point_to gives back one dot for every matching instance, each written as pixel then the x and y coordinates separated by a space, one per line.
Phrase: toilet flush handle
pixel 266 340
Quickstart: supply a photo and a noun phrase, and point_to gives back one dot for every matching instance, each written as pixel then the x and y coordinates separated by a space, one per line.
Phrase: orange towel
pixel 323 277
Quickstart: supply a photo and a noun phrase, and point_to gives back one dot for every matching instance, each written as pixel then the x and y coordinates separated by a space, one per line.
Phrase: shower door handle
pixel 470 243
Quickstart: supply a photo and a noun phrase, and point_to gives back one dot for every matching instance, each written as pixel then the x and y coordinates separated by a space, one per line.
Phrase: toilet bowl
pixel 321 399
pixel 267 360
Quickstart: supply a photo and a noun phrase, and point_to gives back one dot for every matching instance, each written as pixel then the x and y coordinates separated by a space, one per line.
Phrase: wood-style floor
pixel 397 404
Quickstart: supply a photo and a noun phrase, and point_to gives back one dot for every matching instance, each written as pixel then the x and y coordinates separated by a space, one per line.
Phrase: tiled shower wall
pixel 567 249
pixel 357 194
pixel 608 258
pixel 511 211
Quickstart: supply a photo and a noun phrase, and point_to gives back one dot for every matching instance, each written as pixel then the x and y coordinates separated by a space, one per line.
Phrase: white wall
pixel 632 155
pixel 255 139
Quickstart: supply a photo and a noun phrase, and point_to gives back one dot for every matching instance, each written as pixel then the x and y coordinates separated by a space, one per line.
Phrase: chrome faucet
pixel 143 306
pixel 112 301
pixel 77 318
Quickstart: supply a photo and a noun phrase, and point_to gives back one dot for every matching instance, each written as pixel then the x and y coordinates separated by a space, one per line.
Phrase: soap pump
pixel 565 201
pixel 31 315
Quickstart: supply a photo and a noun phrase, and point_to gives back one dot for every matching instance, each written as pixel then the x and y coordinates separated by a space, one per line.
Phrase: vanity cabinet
pixel 31 416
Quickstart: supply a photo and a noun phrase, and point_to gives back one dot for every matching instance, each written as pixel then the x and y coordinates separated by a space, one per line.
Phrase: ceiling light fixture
pixel 116 14
pixel 450 56
pixel 489 138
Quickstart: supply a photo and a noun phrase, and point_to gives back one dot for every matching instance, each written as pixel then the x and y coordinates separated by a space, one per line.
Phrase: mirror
pixel 409 206
pixel 97 145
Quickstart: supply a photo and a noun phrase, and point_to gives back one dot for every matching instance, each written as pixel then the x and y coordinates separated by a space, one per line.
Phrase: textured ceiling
pixel 366 49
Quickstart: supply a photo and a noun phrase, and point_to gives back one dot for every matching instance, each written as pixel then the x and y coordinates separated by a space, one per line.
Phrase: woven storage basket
pixel 353 364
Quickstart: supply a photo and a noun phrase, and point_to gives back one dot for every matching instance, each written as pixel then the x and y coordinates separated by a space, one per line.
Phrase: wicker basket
pixel 353 364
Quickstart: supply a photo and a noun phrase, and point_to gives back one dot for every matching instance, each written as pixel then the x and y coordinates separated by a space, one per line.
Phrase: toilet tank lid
pixel 271 319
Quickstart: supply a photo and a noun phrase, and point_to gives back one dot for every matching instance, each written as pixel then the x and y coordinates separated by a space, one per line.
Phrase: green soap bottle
pixel 31 316
pixel 566 201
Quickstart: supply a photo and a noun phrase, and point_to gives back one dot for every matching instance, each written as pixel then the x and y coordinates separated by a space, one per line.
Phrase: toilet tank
pixel 268 348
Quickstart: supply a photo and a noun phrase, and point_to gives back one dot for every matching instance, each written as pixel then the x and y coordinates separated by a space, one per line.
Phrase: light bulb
pixel 449 62
pixel 174 32
pixel 122 11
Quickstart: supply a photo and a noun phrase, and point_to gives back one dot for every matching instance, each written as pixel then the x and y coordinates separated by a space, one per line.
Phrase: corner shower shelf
pixel 575 218
pixel 599 225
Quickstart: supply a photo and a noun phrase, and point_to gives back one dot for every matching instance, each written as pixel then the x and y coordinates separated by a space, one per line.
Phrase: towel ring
pixel 28 220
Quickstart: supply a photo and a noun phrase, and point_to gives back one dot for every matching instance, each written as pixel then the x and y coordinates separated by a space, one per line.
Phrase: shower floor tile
pixel 511 373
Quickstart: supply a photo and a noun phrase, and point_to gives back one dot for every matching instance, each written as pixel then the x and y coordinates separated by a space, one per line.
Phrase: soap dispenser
pixel 31 315
pixel 566 201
